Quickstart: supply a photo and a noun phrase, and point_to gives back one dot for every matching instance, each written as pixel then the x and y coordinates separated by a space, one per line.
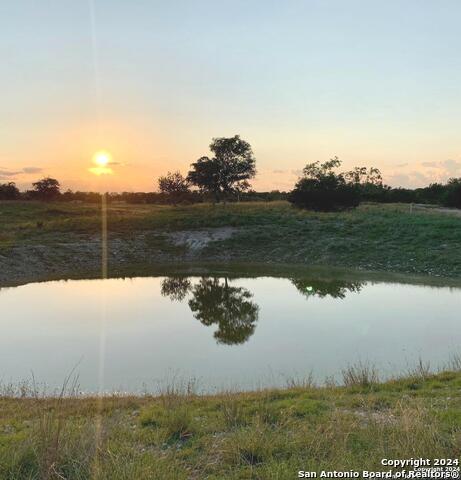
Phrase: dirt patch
pixel 73 254
pixel 199 239
pixel 432 209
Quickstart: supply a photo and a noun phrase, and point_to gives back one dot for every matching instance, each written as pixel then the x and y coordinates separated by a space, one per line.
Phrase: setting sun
pixel 102 158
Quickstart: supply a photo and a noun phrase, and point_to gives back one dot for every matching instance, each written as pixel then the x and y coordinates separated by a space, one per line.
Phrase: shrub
pixel 322 189
pixel 9 191
pixel 453 193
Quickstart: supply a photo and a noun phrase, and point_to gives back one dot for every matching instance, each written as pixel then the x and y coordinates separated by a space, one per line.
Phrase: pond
pixel 225 332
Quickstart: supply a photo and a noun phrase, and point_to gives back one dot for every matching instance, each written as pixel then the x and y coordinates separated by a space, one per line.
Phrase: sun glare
pixel 102 160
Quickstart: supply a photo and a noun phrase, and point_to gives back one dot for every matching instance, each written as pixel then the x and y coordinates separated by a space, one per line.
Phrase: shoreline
pixel 373 239
pixel 235 269
pixel 265 434
pixel 362 375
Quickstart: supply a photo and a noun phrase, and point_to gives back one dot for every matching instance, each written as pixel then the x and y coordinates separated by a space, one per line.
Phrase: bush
pixel 453 193
pixel 9 191
pixel 324 190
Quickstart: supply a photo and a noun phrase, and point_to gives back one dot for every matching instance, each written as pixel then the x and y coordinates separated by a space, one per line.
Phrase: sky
pixel 152 82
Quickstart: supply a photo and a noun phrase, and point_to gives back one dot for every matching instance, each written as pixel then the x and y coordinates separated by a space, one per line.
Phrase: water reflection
pixel 213 301
pixel 276 327
pixel 176 288
pixel 310 287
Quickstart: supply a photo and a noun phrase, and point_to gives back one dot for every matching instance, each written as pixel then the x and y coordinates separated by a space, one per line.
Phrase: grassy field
pixel 50 239
pixel 261 435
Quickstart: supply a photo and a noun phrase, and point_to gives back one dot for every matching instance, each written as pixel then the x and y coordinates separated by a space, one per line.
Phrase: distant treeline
pixel 226 176
pixel 448 194
pixel 9 191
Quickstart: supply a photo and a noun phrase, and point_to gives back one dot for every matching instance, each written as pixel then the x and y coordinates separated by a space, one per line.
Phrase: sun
pixel 103 161
pixel 102 158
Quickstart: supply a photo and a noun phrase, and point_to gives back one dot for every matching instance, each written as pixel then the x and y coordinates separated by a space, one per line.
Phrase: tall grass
pixel 360 374
pixel 271 433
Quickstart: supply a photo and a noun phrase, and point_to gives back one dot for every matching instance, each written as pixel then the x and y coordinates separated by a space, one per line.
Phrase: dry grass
pixel 267 434
pixel 361 374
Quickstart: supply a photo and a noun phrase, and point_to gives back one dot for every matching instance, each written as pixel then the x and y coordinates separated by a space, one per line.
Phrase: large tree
pixel 228 171
pixel 46 189
pixel 174 186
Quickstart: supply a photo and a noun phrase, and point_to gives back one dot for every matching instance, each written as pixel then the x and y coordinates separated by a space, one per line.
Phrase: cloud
pixel 279 172
pixel 411 179
pixel 398 179
pixel 5 173
pixel 451 168
pixel 9 173
pixel 32 170
pixel 101 171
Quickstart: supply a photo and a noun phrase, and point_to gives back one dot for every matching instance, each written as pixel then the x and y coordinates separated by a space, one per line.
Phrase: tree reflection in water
pixel 310 287
pixel 214 301
pixel 176 288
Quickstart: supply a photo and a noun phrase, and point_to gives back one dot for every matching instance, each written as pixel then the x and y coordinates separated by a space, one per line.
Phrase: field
pixel 51 240
pixel 267 434
pixel 260 435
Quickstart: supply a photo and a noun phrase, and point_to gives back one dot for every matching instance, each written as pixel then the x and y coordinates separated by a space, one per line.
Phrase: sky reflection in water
pixel 244 332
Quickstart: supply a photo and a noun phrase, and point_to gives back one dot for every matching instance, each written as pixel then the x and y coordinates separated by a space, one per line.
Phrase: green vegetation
pixel 322 189
pixel 262 435
pixel 55 239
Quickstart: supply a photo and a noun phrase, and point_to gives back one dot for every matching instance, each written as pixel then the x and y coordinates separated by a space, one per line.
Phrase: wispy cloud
pixel 5 173
pixel 424 173
pixel 448 167
pixel 9 173
pixel 32 170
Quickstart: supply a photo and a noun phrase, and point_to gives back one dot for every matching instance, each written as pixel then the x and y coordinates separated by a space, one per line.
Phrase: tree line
pixel 225 175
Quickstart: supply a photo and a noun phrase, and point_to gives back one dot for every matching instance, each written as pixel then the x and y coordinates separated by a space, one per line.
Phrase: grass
pixel 371 237
pixel 270 434
pixel 262 435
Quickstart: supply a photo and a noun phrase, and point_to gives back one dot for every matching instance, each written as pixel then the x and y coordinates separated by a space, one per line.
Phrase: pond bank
pixel 40 240
pixel 269 434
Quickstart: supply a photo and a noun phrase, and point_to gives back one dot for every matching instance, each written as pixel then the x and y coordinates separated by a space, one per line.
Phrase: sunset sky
pixel 374 82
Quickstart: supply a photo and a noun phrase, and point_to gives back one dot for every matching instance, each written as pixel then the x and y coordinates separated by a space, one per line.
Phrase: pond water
pixel 136 334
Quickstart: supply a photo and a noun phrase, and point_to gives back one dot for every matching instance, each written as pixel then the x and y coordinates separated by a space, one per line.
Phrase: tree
pixel 46 189
pixel 453 194
pixel 174 186
pixel 364 176
pixel 322 189
pixel 228 171
pixel 9 191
